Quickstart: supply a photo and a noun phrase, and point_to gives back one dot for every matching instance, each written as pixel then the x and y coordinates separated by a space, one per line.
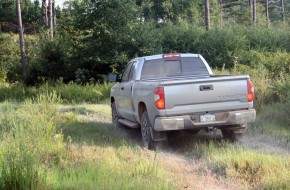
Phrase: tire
pixel 233 135
pixel 115 116
pixel 148 142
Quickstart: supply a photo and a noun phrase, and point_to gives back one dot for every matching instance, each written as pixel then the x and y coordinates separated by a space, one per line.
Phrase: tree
pixel 254 12
pixel 50 2
pixel 267 12
pixel 283 11
pixel 54 16
pixel 21 42
pixel 44 13
pixel 207 15
pixel 221 12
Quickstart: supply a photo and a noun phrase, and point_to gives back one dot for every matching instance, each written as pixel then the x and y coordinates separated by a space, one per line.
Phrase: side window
pixel 126 73
pixel 133 71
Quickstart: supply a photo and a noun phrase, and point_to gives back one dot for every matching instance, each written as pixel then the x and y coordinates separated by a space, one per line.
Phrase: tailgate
pixel 212 94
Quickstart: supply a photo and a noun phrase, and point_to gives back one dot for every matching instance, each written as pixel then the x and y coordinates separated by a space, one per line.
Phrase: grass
pixel 69 93
pixel 269 86
pixel 261 160
pixel 274 123
pixel 100 155
pixel 111 168
pixel 260 170
pixel 48 145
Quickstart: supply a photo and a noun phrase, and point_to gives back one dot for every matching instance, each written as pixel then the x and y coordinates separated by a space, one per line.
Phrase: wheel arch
pixel 141 108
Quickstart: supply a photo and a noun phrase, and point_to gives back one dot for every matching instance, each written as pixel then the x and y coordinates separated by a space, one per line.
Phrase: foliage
pixel 69 93
pixel 30 16
pixel 274 122
pixel 135 169
pixel 262 171
pixel 95 38
pixel 33 154
pixel 29 139
pixel 260 160
pixel 19 171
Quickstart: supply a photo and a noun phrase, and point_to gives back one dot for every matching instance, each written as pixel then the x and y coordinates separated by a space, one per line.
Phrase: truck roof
pixel 159 56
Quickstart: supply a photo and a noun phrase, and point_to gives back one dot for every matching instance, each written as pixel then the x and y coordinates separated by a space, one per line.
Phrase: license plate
pixel 207 118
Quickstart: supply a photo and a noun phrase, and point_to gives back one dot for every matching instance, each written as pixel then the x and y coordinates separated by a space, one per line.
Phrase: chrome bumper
pixel 193 121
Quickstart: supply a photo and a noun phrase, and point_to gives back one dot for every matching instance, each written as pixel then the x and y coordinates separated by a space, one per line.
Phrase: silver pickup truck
pixel 169 92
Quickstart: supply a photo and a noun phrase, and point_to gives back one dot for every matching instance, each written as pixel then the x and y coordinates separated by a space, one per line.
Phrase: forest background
pixel 55 118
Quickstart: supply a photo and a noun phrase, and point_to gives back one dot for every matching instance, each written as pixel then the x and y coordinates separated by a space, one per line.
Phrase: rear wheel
pixel 148 142
pixel 115 116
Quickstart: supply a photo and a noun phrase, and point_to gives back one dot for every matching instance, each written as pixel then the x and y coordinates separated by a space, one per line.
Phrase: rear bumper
pixel 193 121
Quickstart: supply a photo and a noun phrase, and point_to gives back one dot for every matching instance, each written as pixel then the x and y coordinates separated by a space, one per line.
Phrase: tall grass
pixel 69 93
pixel 28 140
pixel 269 87
pixel 20 171
pixel 273 123
pixel 122 168
pixel 255 169
pixel 261 160
pixel 262 171
pixel 33 154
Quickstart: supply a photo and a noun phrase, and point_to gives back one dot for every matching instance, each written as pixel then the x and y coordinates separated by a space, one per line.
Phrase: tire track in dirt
pixel 190 174
pixel 185 172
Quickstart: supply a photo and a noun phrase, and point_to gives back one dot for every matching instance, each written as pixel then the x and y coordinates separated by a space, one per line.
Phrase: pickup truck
pixel 171 92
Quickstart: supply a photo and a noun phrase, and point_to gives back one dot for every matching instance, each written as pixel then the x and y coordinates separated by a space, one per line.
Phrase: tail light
pixel 171 55
pixel 251 95
pixel 159 98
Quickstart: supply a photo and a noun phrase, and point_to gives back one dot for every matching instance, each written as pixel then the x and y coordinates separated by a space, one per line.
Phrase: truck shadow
pixel 181 143
pixel 105 134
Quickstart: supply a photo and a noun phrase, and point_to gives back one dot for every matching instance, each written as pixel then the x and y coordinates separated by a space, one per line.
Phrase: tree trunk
pixel 44 13
pixel 207 15
pixel 254 13
pixel 221 11
pixel 50 19
pixel 21 42
pixel 283 11
pixel 54 16
pixel 267 13
pixel 251 9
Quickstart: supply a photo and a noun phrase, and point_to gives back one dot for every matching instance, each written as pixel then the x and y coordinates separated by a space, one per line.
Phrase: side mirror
pixel 113 78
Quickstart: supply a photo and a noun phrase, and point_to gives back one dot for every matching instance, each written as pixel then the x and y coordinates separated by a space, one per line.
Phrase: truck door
pixel 126 109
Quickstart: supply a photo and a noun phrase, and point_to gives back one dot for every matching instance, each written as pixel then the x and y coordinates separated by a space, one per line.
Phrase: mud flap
pixel 158 135
pixel 238 129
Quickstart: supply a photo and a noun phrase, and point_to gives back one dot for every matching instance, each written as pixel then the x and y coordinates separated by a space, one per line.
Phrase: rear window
pixel 184 66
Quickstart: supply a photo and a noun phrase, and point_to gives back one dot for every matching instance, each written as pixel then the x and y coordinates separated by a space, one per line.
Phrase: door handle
pixel 205 87
pixel 122 88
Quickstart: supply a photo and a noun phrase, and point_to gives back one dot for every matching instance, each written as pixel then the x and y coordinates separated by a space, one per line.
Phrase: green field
pixel 46 144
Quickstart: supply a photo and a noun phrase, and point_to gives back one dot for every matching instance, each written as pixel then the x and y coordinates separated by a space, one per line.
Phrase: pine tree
pixel 21 42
